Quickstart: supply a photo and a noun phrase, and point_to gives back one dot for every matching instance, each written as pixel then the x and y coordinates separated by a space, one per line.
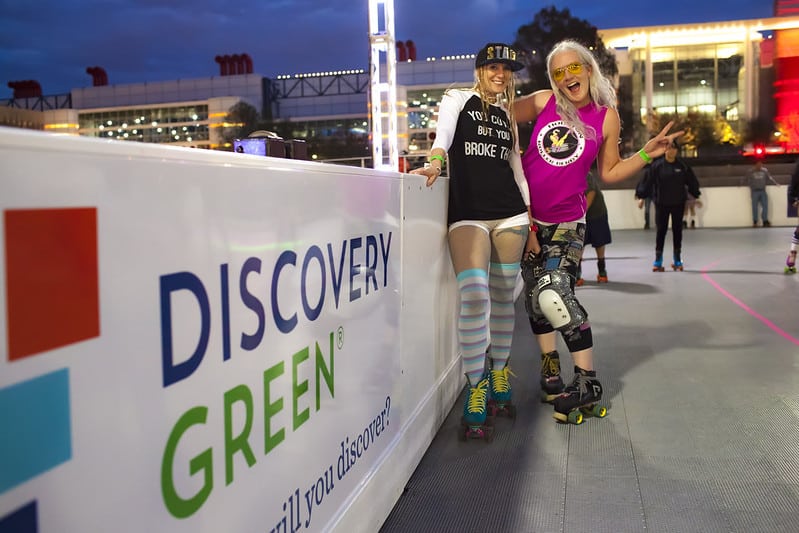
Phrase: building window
pixel 185 125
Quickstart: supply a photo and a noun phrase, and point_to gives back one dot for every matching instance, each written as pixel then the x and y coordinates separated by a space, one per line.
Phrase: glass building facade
pixel 184 124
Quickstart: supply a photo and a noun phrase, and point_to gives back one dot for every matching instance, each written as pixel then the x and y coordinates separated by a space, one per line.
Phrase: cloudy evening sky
pixel 53 42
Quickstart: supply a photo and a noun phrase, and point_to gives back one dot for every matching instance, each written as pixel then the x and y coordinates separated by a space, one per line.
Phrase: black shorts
pixel 597 231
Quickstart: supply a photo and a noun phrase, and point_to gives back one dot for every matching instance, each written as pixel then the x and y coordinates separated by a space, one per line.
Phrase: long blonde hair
pixel 599 87
pixel 506 98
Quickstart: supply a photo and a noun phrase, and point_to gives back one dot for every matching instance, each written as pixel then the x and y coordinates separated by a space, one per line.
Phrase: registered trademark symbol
pixel 340 337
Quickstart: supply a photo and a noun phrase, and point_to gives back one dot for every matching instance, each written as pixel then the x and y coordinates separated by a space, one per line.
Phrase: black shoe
pixel 766 223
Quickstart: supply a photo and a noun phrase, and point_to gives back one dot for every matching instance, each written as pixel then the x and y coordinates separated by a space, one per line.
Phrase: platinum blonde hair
pixel 600 88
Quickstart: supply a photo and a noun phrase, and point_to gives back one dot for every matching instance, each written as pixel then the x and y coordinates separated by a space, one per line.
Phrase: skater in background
pixel 647 212
pixel 576 124
pixel 689 214
pixel 487 217
pixel 757 178
pixel 597 229
pixel 668 180
pixel 793 200
pixel 646 203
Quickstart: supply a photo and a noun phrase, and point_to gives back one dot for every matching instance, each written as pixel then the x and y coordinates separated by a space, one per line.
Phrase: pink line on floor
pixel 771 325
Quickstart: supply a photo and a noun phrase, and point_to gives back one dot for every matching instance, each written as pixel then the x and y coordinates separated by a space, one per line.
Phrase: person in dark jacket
pixel 668 180
pixel 597 229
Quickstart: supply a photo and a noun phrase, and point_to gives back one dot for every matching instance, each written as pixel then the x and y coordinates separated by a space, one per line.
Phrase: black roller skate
pixel 677 264
pixel 551 383
pixel 657 266
pixel 475 422
pixel 580 398
pixel 790 263
pixel 500 393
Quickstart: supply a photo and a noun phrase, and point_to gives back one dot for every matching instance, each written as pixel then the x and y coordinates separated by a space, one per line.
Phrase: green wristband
pixel 644 156
pixel 440 158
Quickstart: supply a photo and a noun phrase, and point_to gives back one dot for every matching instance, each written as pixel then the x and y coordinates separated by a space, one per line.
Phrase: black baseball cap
pixel 498 53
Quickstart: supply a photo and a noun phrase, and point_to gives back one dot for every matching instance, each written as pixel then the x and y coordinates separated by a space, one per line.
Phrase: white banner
pixel 195 341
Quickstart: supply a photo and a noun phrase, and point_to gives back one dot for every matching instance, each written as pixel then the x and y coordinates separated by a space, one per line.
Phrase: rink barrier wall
pixel 203 341
pixel 722 207
pixel 199 341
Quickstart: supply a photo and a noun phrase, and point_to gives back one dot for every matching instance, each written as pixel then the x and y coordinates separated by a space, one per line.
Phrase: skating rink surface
pixel 701 376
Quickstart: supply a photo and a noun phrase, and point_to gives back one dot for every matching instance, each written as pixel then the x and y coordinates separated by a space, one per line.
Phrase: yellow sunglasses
pixel 559 73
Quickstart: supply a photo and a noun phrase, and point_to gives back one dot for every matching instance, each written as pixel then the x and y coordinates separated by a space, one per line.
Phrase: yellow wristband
pixel 644 156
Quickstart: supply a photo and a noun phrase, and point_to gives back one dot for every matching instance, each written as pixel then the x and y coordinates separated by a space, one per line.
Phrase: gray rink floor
pixel 701 376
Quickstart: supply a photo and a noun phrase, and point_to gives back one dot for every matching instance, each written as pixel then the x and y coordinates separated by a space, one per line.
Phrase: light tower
pixel 383 84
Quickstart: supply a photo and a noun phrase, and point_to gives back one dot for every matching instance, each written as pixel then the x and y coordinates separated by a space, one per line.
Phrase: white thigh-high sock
pixel 502 281
pixel 472 327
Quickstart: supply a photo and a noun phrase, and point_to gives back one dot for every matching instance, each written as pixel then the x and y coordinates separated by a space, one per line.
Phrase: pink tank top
pixel 557 162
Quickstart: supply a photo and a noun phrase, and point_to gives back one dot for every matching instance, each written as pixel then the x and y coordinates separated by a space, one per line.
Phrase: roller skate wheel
pixel 470 431
pixel 473 432
pixel 506 409
pixel 576 417
pixel 599 411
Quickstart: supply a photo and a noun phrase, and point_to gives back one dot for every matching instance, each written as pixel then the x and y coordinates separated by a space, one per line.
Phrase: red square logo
pixel 52 290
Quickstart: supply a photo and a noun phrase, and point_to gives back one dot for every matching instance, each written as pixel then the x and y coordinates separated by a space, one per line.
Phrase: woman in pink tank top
pixel 576 125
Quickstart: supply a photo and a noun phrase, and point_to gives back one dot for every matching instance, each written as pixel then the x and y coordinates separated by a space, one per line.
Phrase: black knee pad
pixel 579 338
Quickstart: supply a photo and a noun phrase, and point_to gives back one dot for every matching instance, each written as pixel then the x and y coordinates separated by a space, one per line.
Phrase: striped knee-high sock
pixel 502 280
pixel 472 330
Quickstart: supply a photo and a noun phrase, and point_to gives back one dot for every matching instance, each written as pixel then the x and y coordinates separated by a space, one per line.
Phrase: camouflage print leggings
pixel 561 247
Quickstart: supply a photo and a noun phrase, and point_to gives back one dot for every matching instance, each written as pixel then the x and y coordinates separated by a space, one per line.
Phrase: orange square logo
pixel 52 289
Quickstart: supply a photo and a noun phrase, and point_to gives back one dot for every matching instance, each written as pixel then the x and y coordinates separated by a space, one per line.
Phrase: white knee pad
pixel 553 299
